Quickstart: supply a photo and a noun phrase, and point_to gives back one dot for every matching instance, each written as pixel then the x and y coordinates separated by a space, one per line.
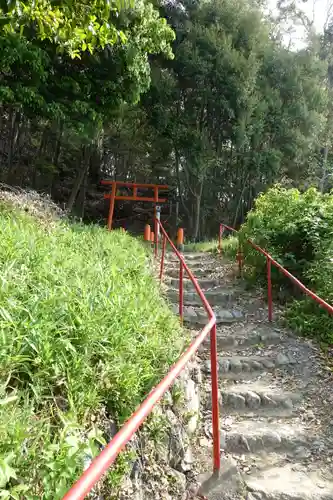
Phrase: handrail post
pixel 220 239
pixel 147 231
pixel 180 239
pixel 162 258
pixel 215 400
pixel 156 246
pixel 111 208
pixel 269 289
pixel 156 220
pixel 181 291
pixel 240 257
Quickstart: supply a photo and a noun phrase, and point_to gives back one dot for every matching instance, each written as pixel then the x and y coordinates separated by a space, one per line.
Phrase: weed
pixel 177 394
pixel 157 427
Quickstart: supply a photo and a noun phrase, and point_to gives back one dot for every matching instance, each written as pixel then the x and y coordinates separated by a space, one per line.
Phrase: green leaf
pixel 8 400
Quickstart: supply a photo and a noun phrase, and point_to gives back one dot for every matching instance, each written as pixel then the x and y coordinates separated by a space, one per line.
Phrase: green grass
pixel 85 335
pixel 229 246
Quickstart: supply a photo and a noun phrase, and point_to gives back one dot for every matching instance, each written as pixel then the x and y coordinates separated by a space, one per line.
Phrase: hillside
pixel 85 334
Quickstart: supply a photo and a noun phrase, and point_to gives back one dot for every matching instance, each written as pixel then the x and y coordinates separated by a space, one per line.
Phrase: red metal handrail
pixel 103 461
pixel 270 261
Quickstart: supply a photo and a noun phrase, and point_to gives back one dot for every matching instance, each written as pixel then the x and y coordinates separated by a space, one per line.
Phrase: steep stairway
pixel 276 394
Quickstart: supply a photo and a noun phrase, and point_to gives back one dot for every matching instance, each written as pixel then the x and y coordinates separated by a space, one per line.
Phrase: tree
pixel 234 111
pixel 61 100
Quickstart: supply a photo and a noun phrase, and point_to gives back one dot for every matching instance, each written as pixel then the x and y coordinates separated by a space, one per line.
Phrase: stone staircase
pixel 276 397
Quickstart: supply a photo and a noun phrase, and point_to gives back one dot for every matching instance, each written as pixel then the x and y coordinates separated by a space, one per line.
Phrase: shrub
pixel 85 335
pixel 296 229
pixel 306 315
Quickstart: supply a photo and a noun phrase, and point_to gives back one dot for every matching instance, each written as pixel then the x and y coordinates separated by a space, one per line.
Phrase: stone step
pixel 198 272
pixel 253 436
pixel 257 397
pixel 240 366
pixel 205 283
pixel 227 484
pixel 208 262
pixel 239 341
pixel 286 483
pixel 198 316
pixel 277 482
pixel 191 256
pixel 217 296
pixel 266 336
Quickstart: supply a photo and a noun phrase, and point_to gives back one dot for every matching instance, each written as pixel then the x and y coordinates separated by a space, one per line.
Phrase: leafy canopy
pixel 77 26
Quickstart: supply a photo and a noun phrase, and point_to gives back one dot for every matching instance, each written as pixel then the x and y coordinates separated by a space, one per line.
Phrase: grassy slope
pixel 84 334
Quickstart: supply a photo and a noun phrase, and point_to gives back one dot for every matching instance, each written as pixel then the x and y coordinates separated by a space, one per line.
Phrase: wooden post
pixel 156 226
pixel 220 239
pixel 147 232
pixel 269 289
pixel 180 239
pixel 181 292
pixel 111 209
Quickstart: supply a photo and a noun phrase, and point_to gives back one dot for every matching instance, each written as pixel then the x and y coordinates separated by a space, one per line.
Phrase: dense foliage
pixel 54 109
pixel 297 230
pixel 233 111
pixel 77 26
pixel 85 335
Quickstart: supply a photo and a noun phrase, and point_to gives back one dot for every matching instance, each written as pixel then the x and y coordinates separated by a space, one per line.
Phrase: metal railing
pixel 108 455
pixel 269 262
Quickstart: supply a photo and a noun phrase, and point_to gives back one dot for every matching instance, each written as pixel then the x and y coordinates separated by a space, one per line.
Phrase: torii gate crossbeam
pixel 134 197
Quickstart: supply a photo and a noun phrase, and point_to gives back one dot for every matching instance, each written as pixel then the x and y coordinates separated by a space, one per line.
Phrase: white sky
pixel 316 10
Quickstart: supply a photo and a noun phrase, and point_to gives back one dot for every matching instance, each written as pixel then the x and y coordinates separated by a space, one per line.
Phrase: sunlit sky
pixel 316 10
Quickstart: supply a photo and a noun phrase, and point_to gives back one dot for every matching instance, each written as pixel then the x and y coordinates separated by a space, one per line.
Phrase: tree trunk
pixel 3 126
pixel 322 181
pixel 58 146
pixel 177 162
pixel 176 218
pixel 240 199
pixel 38 159
pixel 23 134
pixel 79 179
pixel 196 214
pixel 82 196
pixel 14 119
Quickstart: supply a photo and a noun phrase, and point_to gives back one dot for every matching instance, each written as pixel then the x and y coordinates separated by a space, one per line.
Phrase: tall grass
pixel 85 335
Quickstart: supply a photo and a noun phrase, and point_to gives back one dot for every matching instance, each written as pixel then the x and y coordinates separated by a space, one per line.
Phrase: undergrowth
pixel 85 335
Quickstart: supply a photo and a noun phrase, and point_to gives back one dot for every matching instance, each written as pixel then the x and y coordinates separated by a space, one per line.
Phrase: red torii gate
pixel 134 197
